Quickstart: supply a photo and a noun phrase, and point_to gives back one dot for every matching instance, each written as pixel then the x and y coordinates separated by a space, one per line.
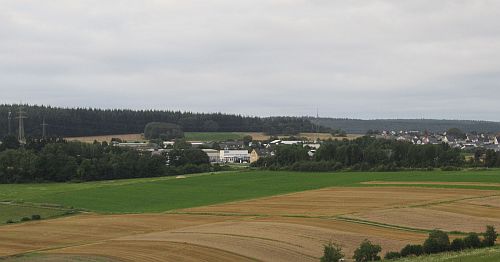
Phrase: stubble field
pixel 257 224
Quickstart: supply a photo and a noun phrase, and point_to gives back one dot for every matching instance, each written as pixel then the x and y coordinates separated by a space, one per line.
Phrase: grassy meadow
pixel 15 212
pixel 169 193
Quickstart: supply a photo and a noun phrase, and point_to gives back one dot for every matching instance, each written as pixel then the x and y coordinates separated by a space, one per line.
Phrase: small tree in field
pixel 367 252
pixel 457 244
pixel 472 241
pixel 490 236
pixel 438 241
pixel 332 253
pixel 412 250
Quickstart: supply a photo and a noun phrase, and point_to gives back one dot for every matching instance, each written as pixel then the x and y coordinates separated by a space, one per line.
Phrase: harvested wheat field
pixel 340 201
pixel 83 229
pixel 291 227
pixel 268 239
pixel 143 250
pixel 493 201
pixel 91 139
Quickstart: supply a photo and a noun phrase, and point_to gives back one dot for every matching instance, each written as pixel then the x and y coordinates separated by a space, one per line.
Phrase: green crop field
pixel 164 194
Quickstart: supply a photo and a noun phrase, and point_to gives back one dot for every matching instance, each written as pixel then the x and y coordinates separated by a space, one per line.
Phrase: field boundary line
pixel 390 226
pixel 451 201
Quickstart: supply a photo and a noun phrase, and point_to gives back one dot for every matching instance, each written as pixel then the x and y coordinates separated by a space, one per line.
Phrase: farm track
pixel 289 227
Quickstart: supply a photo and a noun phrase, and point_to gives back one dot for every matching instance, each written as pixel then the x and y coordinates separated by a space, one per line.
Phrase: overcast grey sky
pixel 359 59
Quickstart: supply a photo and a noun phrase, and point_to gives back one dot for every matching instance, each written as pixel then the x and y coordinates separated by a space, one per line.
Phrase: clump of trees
pixel 57 160
pixel 367 252
pixel 332 252
pixel 164 131
pixel 439 241
pixel 364 154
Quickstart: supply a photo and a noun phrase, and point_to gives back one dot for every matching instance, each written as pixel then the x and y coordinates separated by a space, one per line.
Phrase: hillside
pixel 69 122
pixel 358 126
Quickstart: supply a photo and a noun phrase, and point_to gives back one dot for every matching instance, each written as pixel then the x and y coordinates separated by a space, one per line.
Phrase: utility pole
pixel 317 124
pixel 21 116
pixel 10 119
pixel 44 129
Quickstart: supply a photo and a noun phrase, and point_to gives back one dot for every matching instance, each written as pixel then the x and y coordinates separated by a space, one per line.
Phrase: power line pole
pixel 21 117
pixel 10 119
pixel 317 124
pixel 44 129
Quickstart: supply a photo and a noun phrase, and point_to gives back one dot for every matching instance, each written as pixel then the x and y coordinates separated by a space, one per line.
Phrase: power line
pixel 44 129
pixel 10 119
pixel 21 116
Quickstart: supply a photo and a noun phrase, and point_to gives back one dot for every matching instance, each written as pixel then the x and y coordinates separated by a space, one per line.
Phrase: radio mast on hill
pixel 21 116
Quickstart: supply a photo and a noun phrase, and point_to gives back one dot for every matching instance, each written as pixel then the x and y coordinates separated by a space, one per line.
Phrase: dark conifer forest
pixel 67 122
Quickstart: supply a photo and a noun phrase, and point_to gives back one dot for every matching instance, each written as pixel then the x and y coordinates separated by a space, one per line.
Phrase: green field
pixel 164 194
pixel 478 255
pixel 16 212
pixel 213 136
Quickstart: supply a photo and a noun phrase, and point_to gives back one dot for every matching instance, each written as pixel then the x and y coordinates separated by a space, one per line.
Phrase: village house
pixel 256 154
pixel 234 156
pixel 213 155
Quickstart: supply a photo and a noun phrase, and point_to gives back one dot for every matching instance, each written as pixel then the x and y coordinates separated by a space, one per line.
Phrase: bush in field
pixel 24 219
pixel 457 244
pixel 36 217
pixel 490 236
pixel 412 250
pixel 367 252
pixel 472 241
pixel 392 255
pixel 438 241
pixel 332 253
pixel 10 221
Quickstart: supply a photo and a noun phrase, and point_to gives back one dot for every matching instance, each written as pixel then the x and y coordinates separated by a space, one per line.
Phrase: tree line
pixel 67 122
pixel 56 160
pixel 367 153
pixel 437 242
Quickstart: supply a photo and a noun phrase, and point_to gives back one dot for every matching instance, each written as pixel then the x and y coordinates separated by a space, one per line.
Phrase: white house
pixel 213 155
pixel 234 156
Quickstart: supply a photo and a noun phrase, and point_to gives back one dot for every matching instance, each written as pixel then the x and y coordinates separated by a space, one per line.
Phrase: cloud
pixel 363 59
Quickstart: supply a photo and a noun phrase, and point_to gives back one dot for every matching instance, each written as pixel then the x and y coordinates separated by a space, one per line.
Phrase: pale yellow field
pixel 255 135
pixel 91 139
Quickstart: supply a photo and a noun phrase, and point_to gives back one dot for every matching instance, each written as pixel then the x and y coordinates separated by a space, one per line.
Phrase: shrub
pixel 332 253
pixel 450 168
pixel 367 252
pixel 24 219
pixel 392 255
pixel 490 236
pixel 36 217
pixel 412 250
pixel 10 221
pixel 472 241
pixel 438 241
pixel 457 244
